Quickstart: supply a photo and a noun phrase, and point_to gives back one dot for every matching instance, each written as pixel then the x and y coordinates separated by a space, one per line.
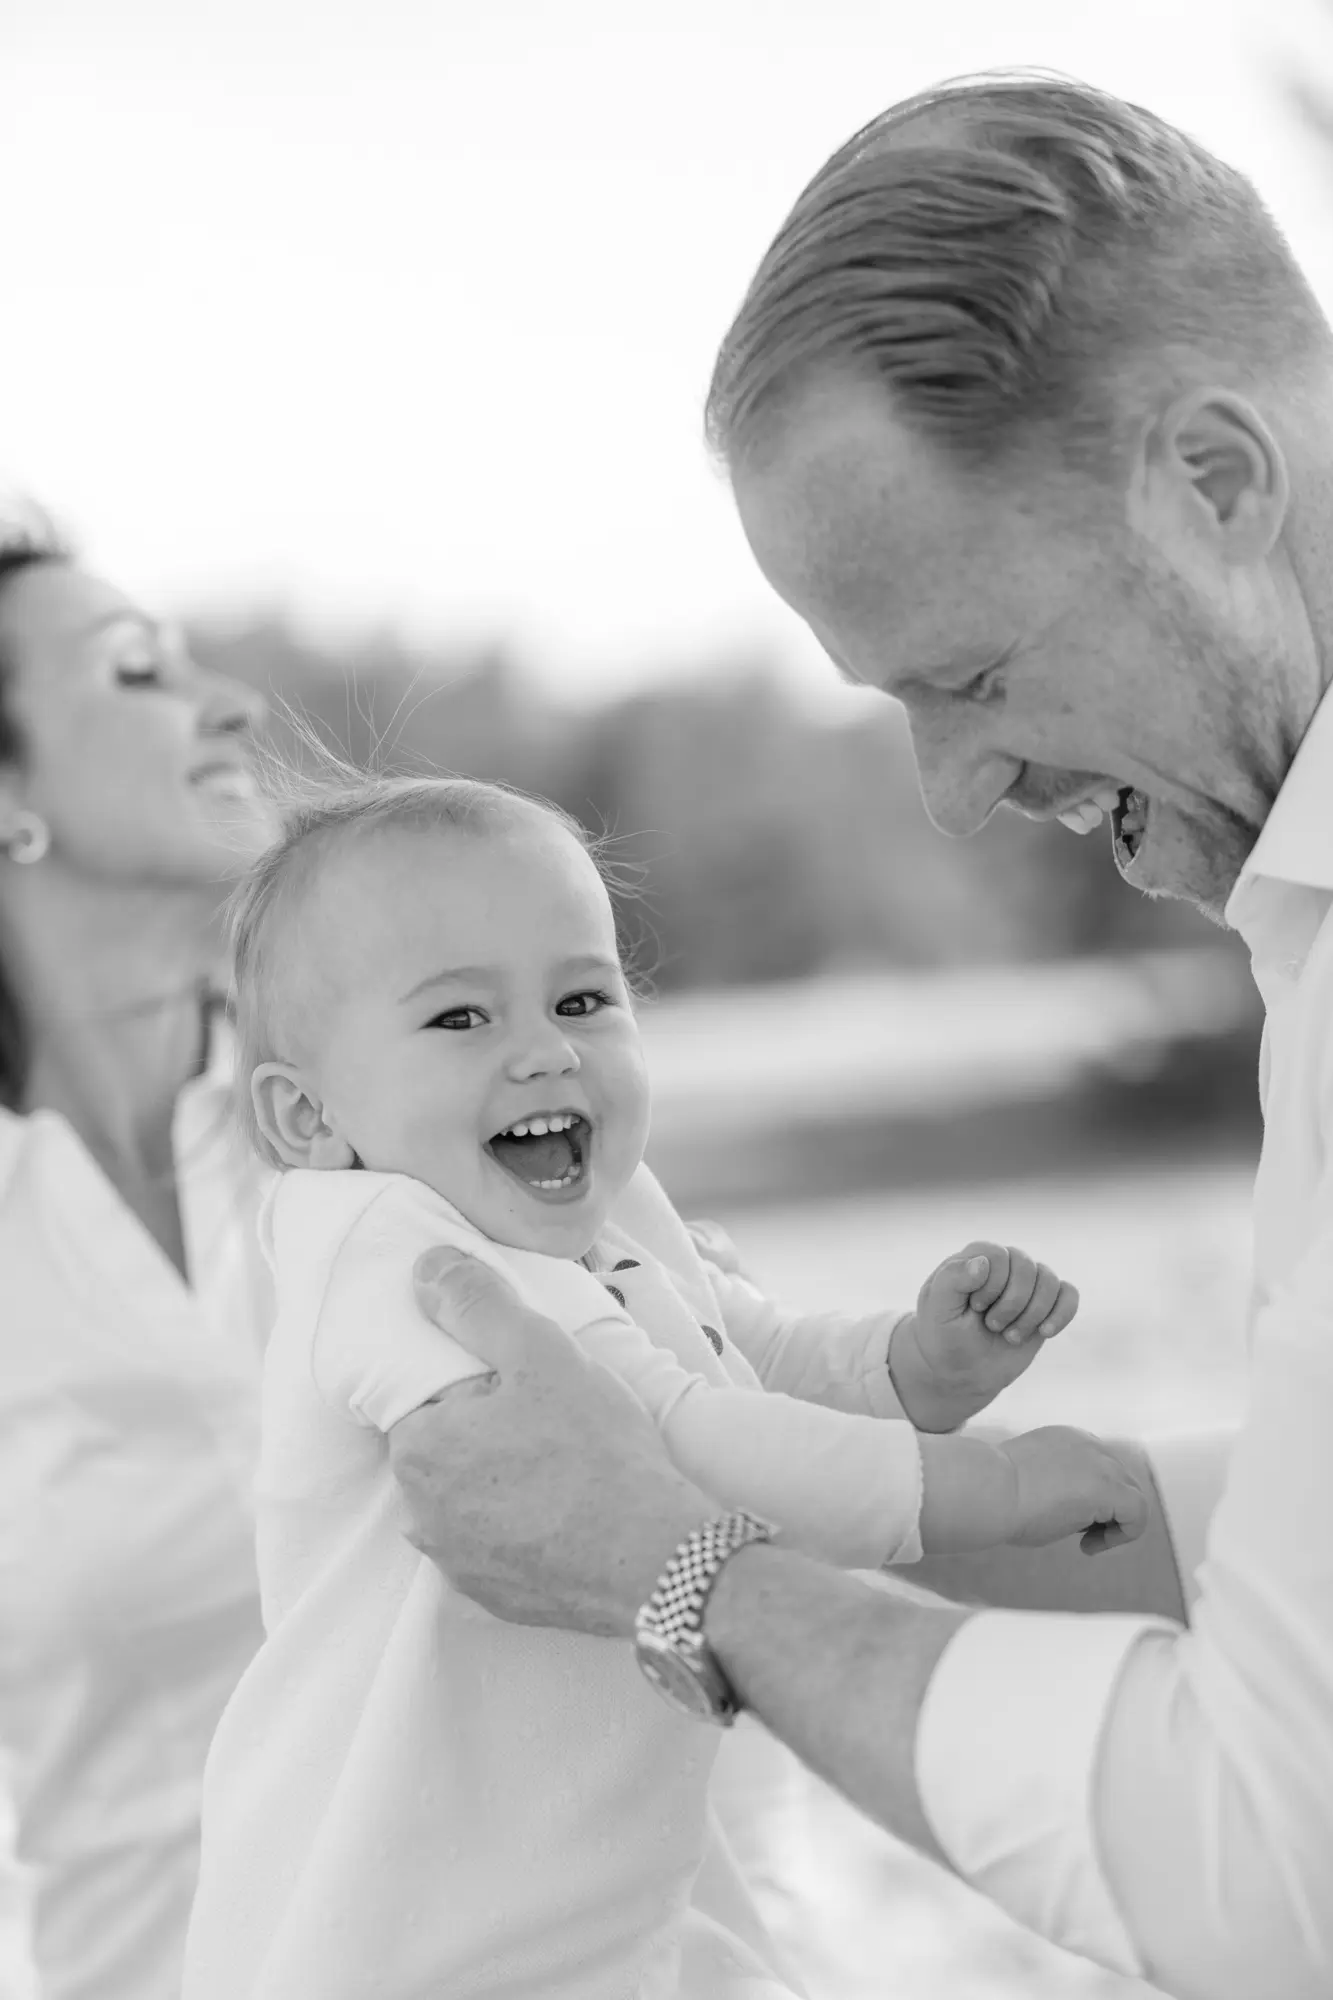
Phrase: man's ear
pixel 290 1115
pixel 1210 475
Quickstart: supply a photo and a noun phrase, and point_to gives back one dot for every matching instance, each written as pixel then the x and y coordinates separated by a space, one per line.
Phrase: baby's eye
pixel 576 1006
pixel 458 1017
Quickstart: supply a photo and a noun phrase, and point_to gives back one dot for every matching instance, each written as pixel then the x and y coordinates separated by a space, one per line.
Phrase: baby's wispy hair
pixel 321 797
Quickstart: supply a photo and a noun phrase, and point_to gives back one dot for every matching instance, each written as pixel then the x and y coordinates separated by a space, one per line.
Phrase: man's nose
pixel 960 789
pixel 542 1049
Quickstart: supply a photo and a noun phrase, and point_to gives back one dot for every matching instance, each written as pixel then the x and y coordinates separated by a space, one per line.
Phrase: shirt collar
pixel 1294 851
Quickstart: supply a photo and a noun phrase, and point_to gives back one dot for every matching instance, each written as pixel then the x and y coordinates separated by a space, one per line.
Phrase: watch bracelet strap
pixel 675 1611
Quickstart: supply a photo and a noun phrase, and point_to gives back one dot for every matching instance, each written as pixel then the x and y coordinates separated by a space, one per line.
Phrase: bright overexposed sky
pixel 404 309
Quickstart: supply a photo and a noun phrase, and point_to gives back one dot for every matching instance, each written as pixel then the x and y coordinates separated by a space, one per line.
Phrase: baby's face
pixel 466 986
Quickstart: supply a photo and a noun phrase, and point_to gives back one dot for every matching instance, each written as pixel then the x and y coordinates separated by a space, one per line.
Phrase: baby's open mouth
pixel 548 1152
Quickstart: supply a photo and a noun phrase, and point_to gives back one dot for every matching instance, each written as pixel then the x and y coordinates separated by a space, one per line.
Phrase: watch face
pixel 678 1680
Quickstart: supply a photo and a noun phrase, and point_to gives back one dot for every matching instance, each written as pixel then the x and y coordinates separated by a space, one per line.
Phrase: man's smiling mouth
pixel 1128 808
pixel 548 1153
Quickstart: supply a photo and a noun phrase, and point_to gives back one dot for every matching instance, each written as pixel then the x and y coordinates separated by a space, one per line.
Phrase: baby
pixel 407 1798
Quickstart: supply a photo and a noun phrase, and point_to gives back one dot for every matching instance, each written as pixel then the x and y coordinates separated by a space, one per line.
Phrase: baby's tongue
pixel 539 1158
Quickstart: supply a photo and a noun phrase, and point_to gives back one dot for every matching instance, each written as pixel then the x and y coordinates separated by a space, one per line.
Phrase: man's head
pixel 1029 414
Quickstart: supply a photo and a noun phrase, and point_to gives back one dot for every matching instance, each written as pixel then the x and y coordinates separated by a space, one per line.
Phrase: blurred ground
pixel 894 1080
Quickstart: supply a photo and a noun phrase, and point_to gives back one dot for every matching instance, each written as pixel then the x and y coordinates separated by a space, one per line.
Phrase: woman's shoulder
pixel 25 1140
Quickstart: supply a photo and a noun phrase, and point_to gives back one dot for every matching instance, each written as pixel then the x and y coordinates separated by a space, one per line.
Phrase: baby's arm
pixel 980 1320
pixel 864 1494
pixel 1031 1490
pixel 838 1359
pixel 843 1487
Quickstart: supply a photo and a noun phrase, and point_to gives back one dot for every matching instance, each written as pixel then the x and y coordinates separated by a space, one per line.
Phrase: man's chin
pixel 1194 860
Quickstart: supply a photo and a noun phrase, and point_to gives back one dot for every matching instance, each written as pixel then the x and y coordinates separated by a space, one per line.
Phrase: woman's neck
pixel 112 988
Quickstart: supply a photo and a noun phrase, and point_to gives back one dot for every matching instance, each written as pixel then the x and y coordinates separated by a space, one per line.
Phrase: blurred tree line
pixel 754 842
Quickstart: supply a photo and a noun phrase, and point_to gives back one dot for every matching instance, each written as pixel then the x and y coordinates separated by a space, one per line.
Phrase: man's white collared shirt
pixel 1163 1799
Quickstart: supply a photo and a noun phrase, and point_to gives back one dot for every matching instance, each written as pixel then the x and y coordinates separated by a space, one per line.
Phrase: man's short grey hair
pixel 1005 253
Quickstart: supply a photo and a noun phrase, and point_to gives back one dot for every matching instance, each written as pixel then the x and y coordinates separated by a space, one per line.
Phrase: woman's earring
pixel 30 839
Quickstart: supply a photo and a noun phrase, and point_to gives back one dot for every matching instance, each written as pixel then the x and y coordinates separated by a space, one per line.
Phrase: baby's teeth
pixel 539 1126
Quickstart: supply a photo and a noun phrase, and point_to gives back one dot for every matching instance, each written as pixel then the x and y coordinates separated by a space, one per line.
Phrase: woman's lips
pixel 225 780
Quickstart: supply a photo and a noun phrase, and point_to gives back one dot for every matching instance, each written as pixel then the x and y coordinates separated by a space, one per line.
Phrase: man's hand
pixel 980 1321
pixel 541 1490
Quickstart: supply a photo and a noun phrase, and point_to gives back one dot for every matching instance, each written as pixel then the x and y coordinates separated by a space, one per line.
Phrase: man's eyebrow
pixel 454 975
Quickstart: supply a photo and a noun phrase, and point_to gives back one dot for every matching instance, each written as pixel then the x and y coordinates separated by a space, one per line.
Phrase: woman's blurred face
pixel 135 757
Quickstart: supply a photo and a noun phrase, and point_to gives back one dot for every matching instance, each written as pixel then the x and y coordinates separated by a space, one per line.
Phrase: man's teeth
pixel 1087 814
pixel 537 1128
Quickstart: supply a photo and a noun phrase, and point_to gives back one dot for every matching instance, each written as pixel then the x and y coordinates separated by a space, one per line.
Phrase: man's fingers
pixel 480 1308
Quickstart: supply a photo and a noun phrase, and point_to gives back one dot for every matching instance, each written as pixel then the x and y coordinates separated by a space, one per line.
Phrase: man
pixel 1028 413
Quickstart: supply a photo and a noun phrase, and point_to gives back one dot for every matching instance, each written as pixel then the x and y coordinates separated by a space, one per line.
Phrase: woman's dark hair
pixel 23 546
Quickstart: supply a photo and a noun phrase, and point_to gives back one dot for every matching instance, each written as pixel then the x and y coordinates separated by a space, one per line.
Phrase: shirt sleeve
pixel 374 1353
pixel 1163 1799
pixel 840 1485
pixel 838 1359
pixel 845 1488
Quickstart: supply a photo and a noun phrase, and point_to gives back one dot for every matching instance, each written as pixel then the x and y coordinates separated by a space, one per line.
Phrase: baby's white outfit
pixel 408 1799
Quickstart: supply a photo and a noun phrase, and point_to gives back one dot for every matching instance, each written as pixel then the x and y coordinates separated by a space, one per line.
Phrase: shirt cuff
pixel 1190 1473
pixel 1006 1755
pixel 881 1398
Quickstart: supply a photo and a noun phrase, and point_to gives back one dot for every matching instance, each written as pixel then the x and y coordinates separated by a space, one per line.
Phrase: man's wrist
pixel 636 1575
pixel 729 1613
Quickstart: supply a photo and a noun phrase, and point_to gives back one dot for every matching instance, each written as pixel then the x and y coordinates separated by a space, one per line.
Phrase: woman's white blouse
pixel 128 1604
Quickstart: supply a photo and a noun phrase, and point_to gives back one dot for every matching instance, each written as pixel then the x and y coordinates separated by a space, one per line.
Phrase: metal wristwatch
pixel 669 1640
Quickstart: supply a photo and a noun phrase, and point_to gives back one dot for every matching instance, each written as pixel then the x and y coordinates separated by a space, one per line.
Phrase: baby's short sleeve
pixel 374 1353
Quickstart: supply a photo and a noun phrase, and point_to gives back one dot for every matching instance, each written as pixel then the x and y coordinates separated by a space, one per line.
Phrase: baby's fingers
pixel 1106 1535
pixel 1013 1300
pixel 1042 1303
pixel 1121 1517
pixel 989 1289
pixel 1064 1309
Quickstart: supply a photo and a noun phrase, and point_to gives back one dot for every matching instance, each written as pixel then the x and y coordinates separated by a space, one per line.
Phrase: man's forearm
pixel 837 1669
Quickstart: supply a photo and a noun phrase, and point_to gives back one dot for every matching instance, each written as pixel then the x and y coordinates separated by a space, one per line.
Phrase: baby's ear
pixel 291 1117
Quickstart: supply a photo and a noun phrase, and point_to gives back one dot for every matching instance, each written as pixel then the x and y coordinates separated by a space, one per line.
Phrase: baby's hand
pixel 979 1322
pixel 1068 1483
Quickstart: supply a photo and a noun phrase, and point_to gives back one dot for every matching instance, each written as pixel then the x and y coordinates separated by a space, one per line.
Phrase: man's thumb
pixel 473 1302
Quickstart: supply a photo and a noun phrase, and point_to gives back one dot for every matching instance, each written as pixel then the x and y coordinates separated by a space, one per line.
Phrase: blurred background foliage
pixel 758 841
